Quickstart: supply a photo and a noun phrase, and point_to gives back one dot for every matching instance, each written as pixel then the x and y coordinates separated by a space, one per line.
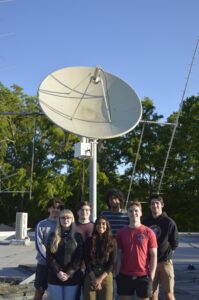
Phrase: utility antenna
pixel 177 117
pixel 92 104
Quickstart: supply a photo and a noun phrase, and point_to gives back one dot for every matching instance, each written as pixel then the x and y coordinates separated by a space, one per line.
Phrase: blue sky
pixel 147 43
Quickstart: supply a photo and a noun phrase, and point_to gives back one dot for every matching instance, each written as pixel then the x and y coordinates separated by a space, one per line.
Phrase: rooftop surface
pixel 18 261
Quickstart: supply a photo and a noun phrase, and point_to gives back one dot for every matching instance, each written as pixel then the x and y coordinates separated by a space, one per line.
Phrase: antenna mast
pixel 177 118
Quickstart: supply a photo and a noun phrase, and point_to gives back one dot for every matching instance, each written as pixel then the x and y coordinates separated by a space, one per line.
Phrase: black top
pixel 91 265
pixel 166 232
pixel 68 259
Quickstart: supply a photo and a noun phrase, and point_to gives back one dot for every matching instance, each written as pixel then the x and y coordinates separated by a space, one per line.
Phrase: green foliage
pixel 37 161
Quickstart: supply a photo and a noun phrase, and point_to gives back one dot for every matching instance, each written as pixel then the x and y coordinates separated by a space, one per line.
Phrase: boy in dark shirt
pixel 166 232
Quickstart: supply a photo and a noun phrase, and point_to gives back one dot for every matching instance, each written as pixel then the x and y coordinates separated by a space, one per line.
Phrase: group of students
pixel 80 260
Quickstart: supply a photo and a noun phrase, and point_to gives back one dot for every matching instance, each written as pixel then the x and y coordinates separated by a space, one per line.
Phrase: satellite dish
pixel 90 102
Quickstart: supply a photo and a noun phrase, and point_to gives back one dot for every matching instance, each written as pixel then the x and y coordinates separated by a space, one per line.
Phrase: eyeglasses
pixel 65 218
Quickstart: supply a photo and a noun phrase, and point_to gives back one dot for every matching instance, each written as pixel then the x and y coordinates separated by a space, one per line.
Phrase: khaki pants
pixel 165 274
pixel 106 293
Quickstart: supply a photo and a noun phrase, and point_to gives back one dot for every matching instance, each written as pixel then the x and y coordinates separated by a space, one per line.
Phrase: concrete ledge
pixel 24 242
pixel 8 235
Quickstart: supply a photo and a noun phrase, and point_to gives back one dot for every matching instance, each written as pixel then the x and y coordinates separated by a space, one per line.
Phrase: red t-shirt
pixel 134 244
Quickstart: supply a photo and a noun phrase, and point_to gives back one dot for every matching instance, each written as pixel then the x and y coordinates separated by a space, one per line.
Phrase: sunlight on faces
pixel 84 213
pixel 66 219
pixel 134 212
pixel 156 207
pixel 101 226
pixel 114 202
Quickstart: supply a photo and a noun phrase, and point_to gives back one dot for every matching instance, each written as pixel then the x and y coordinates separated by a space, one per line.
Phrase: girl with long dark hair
pixel 99 260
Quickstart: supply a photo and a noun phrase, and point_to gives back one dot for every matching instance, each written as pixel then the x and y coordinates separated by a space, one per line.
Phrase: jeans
pixel 61 292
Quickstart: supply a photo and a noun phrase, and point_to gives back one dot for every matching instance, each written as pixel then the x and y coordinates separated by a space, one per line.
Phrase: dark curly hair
pixel 106 242
pixel 115 193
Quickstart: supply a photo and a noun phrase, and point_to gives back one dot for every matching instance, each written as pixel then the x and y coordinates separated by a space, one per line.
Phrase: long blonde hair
pixel 57 235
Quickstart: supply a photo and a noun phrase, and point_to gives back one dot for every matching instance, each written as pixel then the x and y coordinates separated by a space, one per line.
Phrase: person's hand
pixel 98 284
pixel 93 279
pixel 62 276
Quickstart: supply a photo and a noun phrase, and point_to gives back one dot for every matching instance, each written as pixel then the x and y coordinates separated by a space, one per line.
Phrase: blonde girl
pixel 64 258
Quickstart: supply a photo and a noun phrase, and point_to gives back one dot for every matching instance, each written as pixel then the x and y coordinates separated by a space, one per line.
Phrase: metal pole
pixel 135 164
pixel 177 117
pixel 93 180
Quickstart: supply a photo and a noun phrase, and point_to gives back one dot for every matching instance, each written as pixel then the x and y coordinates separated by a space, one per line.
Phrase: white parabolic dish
pixel 90 102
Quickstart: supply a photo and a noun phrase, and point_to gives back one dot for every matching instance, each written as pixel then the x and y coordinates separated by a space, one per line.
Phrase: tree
pixel 182 175
pixel 37 161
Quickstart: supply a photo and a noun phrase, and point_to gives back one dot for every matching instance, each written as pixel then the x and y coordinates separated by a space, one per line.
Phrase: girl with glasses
pixel 64 258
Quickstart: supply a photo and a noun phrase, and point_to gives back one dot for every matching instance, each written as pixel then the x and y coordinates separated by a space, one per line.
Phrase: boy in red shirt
pixel 137 257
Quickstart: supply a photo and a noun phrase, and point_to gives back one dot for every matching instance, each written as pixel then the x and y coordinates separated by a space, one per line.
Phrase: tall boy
pixel 167 237
pixel 42 232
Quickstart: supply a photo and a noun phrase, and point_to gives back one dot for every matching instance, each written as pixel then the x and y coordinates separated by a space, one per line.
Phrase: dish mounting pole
pixel 93 180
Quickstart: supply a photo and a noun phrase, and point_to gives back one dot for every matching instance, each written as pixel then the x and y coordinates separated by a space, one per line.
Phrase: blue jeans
pixel 60 292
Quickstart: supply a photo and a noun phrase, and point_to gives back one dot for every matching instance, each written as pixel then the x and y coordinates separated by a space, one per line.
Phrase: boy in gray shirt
pixel 42 232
